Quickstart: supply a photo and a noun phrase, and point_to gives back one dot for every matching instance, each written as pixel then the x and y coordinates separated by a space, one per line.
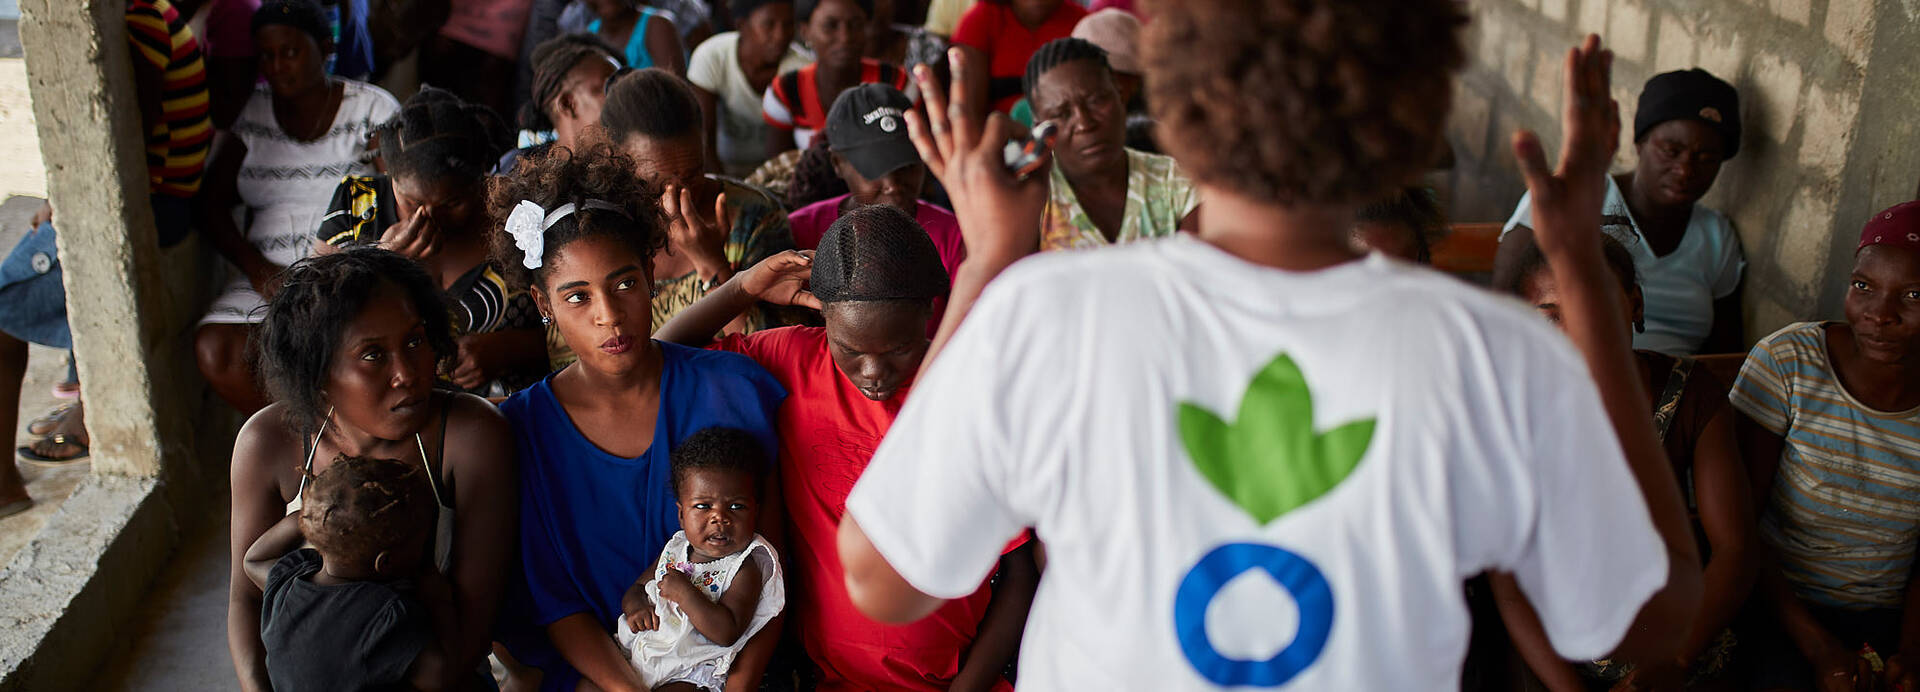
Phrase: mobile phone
pixel 1022 155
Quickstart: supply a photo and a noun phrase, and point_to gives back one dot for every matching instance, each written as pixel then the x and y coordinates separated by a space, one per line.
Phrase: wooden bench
pixel 1468 249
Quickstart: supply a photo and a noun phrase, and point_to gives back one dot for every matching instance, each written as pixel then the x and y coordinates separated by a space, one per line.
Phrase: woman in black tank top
pixel 348 349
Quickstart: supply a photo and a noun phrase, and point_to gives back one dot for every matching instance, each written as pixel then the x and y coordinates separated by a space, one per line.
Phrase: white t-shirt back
pixel 1250 477
pixel 1679 288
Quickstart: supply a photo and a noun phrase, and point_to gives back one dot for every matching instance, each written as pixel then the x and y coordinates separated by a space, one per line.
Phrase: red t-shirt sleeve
pixel 771 348
pixel 976 28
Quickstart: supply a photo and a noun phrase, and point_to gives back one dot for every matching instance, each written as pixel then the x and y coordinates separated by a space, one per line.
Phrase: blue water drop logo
pixel 1220 566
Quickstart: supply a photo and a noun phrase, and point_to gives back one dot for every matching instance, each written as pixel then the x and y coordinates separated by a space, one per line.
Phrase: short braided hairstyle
pixel 318 297
pixel 360 507
pixel 561 176
pixel 1318 102
pixel 1061 51
pixel 552 60
pixel 436 136
pixel 653 103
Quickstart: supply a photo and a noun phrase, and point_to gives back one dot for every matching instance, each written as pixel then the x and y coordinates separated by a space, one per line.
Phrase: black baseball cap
pixel 868 127
pixel 1690 95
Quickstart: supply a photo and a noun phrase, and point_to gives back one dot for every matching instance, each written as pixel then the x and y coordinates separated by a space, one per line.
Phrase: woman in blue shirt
pixel 594 438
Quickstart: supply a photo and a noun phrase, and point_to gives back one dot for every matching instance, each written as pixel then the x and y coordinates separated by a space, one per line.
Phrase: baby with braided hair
pixel 362 607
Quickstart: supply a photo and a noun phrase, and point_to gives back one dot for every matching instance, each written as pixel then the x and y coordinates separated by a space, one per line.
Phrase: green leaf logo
pixel 1271 461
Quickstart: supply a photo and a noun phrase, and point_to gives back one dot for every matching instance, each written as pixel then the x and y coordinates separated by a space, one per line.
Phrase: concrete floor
pixel 180 643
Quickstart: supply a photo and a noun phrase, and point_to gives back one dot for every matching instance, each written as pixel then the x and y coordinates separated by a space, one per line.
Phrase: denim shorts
pixel 33 301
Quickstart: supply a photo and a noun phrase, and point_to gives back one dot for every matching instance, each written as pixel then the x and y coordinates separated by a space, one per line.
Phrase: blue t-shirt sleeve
pixel 551 591
pixel 550 584
pixel 754 397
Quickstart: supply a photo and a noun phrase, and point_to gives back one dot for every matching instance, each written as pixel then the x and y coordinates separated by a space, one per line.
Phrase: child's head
pixel 878 274
pixel 716 484
pixel 369 518
pixel 1400 225
pixel 1534 281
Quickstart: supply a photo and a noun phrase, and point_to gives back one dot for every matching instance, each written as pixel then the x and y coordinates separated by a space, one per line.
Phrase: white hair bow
pixel 528 225
pixel 524 224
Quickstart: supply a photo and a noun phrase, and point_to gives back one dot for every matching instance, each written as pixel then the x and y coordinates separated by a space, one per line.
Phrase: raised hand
pixel 1567 198
pixel 999 216
pixel 782 279
pixel 703 241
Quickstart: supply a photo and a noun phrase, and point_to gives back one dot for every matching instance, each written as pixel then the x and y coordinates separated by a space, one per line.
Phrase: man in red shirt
pixel 874 281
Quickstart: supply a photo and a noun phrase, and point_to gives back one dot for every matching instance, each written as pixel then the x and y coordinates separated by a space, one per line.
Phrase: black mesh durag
pixel 877 252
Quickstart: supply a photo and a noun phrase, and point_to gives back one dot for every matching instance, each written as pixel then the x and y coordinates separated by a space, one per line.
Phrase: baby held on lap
pixel 717 582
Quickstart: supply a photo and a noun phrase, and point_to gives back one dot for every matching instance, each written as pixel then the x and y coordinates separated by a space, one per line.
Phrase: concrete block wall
pixel 1830 98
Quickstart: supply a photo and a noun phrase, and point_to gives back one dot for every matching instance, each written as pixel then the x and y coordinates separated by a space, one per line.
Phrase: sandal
pixel 48 423
pixel 27 454
pixel 66 390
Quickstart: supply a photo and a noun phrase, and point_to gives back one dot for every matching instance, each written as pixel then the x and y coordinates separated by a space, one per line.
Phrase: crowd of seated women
pixel 563 401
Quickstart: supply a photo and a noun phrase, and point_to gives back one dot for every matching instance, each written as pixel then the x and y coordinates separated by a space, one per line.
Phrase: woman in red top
pixel 795 106
pixel 875 281
pixel 1003 34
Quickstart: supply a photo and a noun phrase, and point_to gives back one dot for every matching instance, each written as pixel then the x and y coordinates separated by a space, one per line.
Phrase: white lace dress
pixel 674 651
pixel 287 183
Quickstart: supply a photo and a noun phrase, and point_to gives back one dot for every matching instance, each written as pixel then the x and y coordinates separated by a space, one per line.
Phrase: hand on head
pixel 782 279
pixel 999 216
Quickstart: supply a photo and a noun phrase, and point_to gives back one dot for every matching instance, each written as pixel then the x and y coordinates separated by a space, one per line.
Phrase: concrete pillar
pixel 83 98
pixel 67 596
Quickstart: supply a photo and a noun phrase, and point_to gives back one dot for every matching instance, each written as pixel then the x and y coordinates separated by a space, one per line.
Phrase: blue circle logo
pixel 1301 579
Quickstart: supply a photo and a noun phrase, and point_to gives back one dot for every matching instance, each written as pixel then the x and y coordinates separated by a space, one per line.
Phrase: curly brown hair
pixel 1303 101
pixel 561 176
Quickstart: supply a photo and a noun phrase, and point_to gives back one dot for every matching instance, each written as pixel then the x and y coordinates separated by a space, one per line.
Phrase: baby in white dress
pixel 717 582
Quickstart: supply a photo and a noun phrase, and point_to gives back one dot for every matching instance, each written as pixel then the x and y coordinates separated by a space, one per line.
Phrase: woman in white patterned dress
pixel 294 140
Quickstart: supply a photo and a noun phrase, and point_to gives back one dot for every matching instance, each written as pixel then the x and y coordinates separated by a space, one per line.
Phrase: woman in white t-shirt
pixel 730 72
pixel 1257 457
pixel 297 136
pixel 1688 122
